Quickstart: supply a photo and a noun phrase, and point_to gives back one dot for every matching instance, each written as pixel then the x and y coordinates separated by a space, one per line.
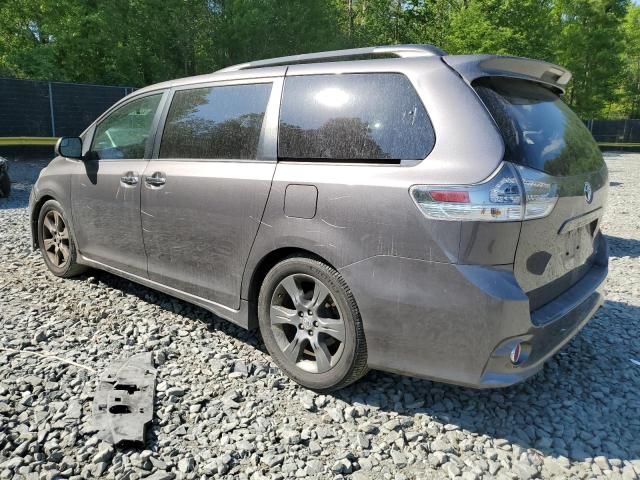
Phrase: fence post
pixel 53 119
pixel 625 132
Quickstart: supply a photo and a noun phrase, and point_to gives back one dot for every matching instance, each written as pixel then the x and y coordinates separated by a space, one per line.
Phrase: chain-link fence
pixel 615 131
pixel 52 109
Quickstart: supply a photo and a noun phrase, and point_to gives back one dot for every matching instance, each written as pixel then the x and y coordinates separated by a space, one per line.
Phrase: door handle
pixel 157 179
pixel 129 178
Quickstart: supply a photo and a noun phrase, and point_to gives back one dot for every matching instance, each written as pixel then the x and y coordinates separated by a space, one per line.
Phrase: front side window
pixel 353 117
pixel 124 133
pixel 215 122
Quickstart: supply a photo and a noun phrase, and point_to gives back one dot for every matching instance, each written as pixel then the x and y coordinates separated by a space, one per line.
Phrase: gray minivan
pixel 391 207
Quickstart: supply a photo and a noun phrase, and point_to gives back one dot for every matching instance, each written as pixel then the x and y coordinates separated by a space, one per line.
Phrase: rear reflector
pixel 447 196
pixel 512 193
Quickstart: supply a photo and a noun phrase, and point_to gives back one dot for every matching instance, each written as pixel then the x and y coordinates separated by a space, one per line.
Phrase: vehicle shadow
pixel 583 398
pixel 584 403
pixel 175 306
pixel 623 247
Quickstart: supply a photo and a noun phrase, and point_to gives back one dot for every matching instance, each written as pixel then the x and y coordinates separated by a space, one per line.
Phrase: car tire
pixel 56 241
pixel 311 325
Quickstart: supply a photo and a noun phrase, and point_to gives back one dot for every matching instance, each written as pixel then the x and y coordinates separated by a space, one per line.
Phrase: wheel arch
pixel 266 263
pixel 35 214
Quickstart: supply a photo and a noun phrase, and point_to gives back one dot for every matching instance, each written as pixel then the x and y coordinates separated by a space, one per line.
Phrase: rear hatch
pixel 541 132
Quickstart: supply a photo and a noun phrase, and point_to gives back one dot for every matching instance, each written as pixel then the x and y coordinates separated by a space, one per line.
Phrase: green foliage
pixel 255 29
pixel 26 49
pixel 586 36
pixel 629 99
pixel 133 42
pixel 590 45
pixel 509 27
pixel 138 42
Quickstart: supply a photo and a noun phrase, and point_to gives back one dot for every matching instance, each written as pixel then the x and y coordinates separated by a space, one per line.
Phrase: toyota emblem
pixel 588 192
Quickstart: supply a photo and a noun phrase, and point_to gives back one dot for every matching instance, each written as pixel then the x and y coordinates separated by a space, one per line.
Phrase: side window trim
pixel 267 143
pixel 87 139
pixel 91 130
pixel 161 123
pixel 155 124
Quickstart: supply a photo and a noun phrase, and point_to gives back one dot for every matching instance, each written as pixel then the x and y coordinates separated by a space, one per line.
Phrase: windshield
pixel 539 130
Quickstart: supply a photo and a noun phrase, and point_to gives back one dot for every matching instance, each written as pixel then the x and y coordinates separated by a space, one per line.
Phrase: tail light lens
pixel 541 192
pixel 512 193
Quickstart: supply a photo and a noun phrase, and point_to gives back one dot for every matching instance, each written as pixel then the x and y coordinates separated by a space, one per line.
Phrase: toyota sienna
pixel 391 207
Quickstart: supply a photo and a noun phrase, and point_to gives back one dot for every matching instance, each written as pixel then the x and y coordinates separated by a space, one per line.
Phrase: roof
pixel 385 51
pixel 469 67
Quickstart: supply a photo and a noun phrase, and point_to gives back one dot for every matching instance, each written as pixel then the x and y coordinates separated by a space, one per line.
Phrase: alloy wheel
pixel 55 238
pixel 307 323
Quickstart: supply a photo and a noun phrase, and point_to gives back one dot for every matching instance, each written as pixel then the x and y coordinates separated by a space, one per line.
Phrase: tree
pixel 255 29
pixel 508 27
pixel 133 42
pixel 590 44
pixel 429 21
pixel 26 42
pixel 629 105
pixel 138 42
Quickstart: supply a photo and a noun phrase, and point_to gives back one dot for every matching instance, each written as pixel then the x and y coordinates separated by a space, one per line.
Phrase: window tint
pixel 353 117
pixel 539 130
pixel 124 133
pixel 215 122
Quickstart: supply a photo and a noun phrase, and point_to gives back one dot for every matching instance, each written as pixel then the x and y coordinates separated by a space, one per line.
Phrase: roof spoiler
pixel 472 67
pixel 403 51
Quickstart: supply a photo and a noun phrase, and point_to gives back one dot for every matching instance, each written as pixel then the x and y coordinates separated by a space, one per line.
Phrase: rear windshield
pixel 539 130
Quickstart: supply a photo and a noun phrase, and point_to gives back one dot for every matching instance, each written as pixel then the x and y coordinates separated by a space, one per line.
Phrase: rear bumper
pixel 554 325
pixel 458 323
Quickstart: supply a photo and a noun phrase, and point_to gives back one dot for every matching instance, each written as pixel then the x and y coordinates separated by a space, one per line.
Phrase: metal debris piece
pixel 123 404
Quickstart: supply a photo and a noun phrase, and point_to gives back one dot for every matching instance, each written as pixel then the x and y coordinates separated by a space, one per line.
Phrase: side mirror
pixel 70 147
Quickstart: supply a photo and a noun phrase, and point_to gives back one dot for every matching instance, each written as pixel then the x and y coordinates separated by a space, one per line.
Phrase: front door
pixel 204 195
pixel 105 194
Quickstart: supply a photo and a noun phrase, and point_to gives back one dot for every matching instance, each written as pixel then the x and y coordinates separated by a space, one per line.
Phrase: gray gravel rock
pixel 225 411
pixel 291 437
pixel 186 465
pixel 315 467
pixel 104 454
pixel 399 459
pixel 39 336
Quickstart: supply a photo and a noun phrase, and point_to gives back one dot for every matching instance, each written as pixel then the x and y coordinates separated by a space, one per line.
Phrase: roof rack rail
pixel 408 50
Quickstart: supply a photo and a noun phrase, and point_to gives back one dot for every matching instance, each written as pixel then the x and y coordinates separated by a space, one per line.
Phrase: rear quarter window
pixel 353 117
pixel 539 130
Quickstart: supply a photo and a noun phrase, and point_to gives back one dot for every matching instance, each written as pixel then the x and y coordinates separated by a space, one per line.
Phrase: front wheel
pixel 56 242
pixel 311 325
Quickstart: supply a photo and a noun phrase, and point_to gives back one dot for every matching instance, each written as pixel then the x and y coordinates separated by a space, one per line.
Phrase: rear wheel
pixel 311 325
pixel 56 243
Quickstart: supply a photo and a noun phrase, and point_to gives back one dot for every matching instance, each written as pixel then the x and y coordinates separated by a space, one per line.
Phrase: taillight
pixel 512 193
pixel 541 193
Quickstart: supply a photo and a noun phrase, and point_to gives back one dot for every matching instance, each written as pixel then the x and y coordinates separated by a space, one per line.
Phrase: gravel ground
pixel 224 410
